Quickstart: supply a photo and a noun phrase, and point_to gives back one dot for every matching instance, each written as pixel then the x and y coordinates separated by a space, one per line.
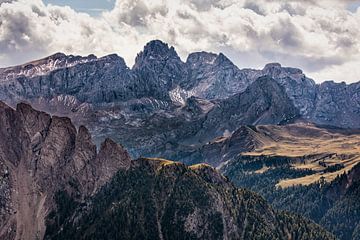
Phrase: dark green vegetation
pixel 333 205
pixel 159 199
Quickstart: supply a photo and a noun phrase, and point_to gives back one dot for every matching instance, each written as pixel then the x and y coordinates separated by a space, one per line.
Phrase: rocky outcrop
pixel 160 66
pixel 40 157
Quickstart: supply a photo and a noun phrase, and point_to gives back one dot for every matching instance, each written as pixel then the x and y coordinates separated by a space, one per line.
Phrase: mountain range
pixel 160 78
pixel 172 101
pixel 273 131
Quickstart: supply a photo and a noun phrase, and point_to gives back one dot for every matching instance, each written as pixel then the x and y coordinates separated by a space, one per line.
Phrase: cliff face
pixel 263 102
pixel 40 156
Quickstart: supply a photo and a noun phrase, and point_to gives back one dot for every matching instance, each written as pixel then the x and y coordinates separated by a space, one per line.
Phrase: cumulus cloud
pixel 319 36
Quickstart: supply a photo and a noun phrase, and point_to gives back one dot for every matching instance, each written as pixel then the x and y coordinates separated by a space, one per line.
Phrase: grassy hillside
pixel 305 169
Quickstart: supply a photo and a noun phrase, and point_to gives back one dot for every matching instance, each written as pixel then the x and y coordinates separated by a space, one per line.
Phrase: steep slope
pixel 214 76
pixel 160 199
pixel 343 216
pixel 40 157
pixel 44 66
pixel 300 89
pixel 263 102
pixel 160 68
pixel 337 104
pixel 244 139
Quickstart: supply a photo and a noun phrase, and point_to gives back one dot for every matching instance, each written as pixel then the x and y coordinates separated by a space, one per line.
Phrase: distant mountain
pixel 263 102
pixel 159 75
pixel 56 185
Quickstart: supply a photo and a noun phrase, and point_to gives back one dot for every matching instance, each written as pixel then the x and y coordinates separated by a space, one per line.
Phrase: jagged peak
pixel 45 65
pixel 279 68
pixel 272 65
pixel 111 149
pixel 329 83
pixel 108 143
pixel 155 50
pixel 112 57
pixel 58 55
pixel 24 106
pixel 27 111
pixel 223 60
pixel 83 133
pixel 198 58
pixel 157 46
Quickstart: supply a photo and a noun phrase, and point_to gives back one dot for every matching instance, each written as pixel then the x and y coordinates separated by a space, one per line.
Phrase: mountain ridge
pixel 159 73
pixel 53 179
pixel 41 155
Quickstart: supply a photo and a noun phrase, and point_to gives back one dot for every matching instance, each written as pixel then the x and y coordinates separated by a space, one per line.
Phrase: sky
pixel 92 7
pixel 321 37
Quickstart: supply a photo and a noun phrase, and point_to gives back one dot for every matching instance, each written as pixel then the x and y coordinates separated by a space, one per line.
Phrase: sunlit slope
pixel 326 152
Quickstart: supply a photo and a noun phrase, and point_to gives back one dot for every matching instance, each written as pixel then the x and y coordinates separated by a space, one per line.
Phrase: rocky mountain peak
pixel 223 60
pixel 153 52
pixel 331 84
pixel 112 58
pixel 113 155
pixel 34 121
pixel 55 56
pixel 263 102
pixel 115 61
pixel 83 133
pixel 275 70
pixel 44 66
pixel 272 66
pixel 199 59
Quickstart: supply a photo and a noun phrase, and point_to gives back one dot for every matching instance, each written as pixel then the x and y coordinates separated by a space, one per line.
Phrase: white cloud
pixel 320 37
